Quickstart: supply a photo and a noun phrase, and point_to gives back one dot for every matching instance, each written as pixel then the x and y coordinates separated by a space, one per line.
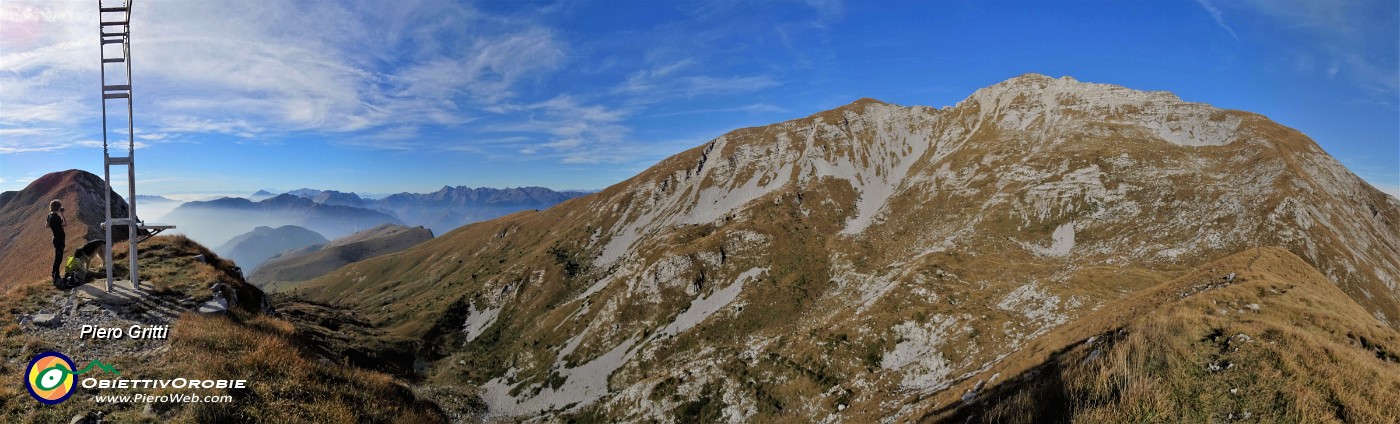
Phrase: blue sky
pixel 379 97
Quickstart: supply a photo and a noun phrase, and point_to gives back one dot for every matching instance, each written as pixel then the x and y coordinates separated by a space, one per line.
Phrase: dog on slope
pixel 75 272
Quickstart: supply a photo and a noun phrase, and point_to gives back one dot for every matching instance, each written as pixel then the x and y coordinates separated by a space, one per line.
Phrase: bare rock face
pixel 1055 104
pixel 875 256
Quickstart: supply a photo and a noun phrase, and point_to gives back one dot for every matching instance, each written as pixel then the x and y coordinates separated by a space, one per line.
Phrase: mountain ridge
pixel 781 266
pixel 440 211
pixel 26 253
pixel 291 267
pixel 216 221
pixel 251 249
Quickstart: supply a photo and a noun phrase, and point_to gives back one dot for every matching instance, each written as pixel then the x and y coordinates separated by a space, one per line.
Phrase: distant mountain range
pixel 446 209
pixel 252 248
pixel 336 213
pixel 214 222
pixel 450 207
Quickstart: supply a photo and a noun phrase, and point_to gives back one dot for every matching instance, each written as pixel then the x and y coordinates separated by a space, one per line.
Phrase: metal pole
pixel 106 156
pixel 131 233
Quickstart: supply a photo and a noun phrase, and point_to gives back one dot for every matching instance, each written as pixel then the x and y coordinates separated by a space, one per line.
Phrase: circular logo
pixel 50 378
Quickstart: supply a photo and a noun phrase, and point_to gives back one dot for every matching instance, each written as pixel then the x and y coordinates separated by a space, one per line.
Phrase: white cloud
pixel 26 148
pixel 40 138
pixel 661 83
pixel 18 132
pixel 117 145
pixel 189 124
pixel 572 132
pixel 402 75
pixel 249 69
pixel 1218 17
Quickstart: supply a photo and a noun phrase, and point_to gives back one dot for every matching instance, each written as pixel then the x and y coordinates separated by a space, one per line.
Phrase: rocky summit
pixel 882 262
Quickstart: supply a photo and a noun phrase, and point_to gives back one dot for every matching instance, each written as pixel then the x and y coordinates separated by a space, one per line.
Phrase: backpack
pixel 73 265
pixel 74 274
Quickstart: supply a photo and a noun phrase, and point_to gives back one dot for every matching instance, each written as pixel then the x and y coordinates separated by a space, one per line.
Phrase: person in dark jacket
pixel 55 223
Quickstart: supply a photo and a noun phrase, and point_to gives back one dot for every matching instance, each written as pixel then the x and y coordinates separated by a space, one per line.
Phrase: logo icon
pixel 50 378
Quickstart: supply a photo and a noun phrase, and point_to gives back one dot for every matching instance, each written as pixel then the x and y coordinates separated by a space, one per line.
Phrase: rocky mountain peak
pixel 902 251
pixel 1036 103
pixel 1050 92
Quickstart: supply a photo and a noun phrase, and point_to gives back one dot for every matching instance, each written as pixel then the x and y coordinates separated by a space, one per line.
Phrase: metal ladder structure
pixel 115 34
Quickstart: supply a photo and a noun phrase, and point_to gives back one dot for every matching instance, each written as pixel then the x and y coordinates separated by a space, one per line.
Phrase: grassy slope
pixel 1292 346
pixel 286 271
pixel 287 382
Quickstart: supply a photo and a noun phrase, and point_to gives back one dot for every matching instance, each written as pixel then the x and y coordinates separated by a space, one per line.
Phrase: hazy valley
pixel 335 214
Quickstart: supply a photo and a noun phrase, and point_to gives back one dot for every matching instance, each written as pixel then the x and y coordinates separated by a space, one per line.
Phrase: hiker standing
pixel 55 222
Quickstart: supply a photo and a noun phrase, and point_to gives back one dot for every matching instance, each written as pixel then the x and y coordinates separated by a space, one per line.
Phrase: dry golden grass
pixel 286 383
pixel 1290 346
pixel 169 263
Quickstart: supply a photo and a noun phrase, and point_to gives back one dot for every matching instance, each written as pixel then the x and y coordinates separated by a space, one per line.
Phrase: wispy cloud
pixel 419 75
pixel 570 131
pixel 754 108
pixel 828 10
pixel 190 124
pixel 46 147
pixel 1356 39
pixel 115 146
pixel 20 132
pixel 670 82
pixel 1218 17
pixel 247 69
